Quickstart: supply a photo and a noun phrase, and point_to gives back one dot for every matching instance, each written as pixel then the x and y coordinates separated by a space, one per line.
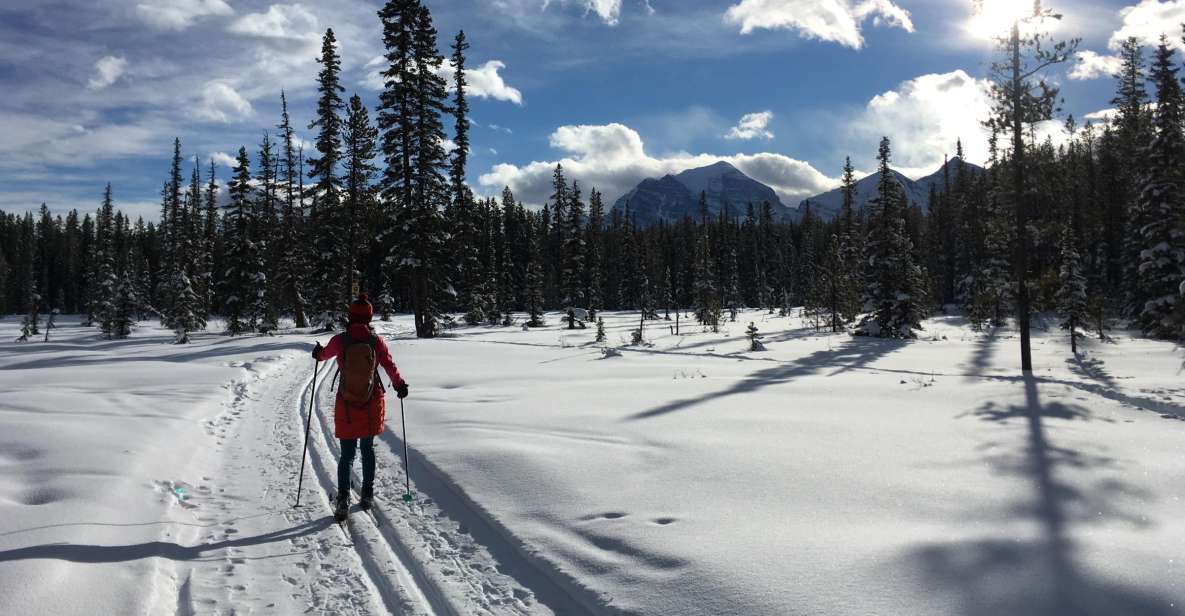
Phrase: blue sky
pixel 617 90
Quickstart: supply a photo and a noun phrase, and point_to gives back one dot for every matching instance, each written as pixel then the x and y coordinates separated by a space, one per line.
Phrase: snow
pixel 826 475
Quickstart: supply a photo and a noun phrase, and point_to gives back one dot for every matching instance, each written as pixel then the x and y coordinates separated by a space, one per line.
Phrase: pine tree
pixel 534 280
pixel 243 261
pixel 105 281
pixel 707 299
pixel 289 275
pixel 894 296
pixel 572 276
pixel 330 291
pixel 410 110
pixel 1071 296
pixel 1019 102
pixel 360 140
pixel 754 337
pixel 265 315
pixel 594 259
pixel 1162 202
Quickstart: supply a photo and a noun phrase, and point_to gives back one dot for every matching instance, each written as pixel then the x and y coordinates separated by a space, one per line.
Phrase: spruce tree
pixel 1071 295
pixel 290 272
pixel 573 275
pixel 894 295
pixel 410 109
pixel 1020 102
pixel 1162 202
pixel 106 284
pixel 534 297
pixel 330 279
pixel 239 281
pixel 594 257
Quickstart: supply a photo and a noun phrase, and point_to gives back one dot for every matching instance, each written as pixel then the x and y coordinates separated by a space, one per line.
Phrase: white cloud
pixel 224 160
pixel 107 70
pixel 752 126
pixel 613 159
pixel 608 10
pixel 492 151
pixel 482 82
pixel 179 14
pixel 282 23
pixel 501 129
pixel 924 117
pixel 1090 65
pixel 33 141
pixel 1104 116
pixel 221 102
pixel 1148 20
pixel 836 21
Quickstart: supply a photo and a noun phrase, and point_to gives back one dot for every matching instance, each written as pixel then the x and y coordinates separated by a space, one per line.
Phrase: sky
pixel 615 90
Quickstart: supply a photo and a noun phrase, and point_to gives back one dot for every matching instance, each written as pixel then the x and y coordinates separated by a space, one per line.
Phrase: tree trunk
pixel 1018 187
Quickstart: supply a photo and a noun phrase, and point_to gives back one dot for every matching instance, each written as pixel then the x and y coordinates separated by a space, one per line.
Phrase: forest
pixel 1091 229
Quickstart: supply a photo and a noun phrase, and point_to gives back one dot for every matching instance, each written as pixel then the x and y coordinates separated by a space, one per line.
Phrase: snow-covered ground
pixel 827 475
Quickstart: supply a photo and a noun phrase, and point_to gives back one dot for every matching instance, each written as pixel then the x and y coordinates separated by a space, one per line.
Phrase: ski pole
pixel 406 471
pixel 308 422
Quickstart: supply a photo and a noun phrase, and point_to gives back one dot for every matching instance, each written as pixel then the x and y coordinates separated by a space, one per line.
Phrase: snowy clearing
pixel 826 475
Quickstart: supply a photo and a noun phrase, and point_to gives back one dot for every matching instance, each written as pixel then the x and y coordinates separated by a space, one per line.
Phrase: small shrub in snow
pixel 600 330
pixel 754 338
pixel 608 352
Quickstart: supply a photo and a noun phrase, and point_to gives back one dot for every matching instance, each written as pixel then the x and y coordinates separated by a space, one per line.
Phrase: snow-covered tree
pixel 894 293
pixel 1162 200
pixel 1071 295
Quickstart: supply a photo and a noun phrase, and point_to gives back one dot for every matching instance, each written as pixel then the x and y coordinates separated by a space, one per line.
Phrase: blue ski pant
pixel 349 447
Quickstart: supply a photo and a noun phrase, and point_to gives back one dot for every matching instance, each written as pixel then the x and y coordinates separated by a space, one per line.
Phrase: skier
pixel 360 410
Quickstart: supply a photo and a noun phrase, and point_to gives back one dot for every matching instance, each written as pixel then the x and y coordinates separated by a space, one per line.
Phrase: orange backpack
pixel 358 367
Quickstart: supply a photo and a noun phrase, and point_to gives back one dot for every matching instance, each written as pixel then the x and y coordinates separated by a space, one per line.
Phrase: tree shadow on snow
pixel 189 355
pixel 1040 576
pixel 83 553
pixel 853 354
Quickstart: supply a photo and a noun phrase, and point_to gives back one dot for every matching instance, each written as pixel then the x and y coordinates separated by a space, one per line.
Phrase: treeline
pixel 1096 229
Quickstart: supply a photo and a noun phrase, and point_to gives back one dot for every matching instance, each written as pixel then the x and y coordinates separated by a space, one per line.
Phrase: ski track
pixel 419 559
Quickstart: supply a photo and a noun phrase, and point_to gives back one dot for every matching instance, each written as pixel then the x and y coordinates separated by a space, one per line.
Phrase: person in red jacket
pixel 359 411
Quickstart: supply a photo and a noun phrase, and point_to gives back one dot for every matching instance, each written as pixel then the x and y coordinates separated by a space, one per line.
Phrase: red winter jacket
pixel 360 421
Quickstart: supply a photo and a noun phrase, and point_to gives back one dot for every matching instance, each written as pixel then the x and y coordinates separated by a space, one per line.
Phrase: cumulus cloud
pixel 107 70
pixel 924 117
pixel 179 14
pixel 483 81
pixel 613 159
pixel 1148 20
pixel 289 25
pixel 752 126
pixel 1091 65
pixel 608 10
pixel 224 160
pixel 221 103
pixel 837 21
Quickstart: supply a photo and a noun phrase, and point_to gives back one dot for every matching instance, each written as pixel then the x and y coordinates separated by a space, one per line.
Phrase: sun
pixel 995 17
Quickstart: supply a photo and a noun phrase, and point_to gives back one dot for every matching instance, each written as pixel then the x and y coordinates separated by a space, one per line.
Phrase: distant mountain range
pixel 672 197
pixel 917 192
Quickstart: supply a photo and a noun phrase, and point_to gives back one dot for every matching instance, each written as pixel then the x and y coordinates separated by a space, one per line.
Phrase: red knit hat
pixel 361 311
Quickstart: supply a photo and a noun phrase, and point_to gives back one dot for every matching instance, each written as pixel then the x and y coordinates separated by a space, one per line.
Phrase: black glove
pixel 317 351
pixel 401 390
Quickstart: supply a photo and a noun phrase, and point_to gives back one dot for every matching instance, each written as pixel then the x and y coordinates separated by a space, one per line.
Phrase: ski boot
pixel 342 511
pixel 367 499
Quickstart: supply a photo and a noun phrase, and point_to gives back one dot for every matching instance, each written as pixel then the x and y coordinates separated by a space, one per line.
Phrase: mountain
pixel 917 192
pixel 672 197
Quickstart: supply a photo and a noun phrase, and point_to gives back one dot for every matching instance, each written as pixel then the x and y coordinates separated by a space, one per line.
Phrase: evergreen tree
pixel 594 261
pixel 243 260
pixel 1019 102
pixel 289 275
pixel 1071 296
pixel 410 110
pixel 106 285
pixel 573 275
pixel 894 296
pixel 534 297
pixel 1162 201
pixel 330 259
